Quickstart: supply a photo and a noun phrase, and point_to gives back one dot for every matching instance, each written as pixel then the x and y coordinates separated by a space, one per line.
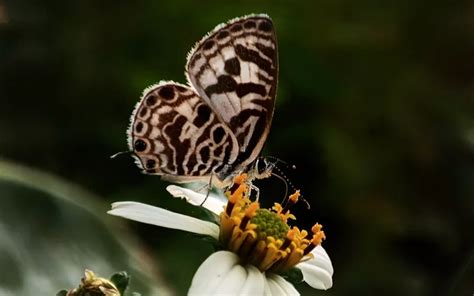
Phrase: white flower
pixel 222 273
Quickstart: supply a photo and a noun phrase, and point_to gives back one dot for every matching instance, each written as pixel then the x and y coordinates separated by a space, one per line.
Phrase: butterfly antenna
pixel 287 182
pixel 122 153
pixel 278 160
pixel 284 181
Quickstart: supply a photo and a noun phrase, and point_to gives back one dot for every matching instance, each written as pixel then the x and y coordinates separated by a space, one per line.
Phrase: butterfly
pixel 216 125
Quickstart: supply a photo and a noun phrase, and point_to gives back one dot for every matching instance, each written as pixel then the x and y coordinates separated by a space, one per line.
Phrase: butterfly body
pixel 215 127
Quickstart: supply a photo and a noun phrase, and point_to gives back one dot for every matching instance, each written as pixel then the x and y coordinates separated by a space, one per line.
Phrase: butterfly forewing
pixel 235 69
pixel 174 133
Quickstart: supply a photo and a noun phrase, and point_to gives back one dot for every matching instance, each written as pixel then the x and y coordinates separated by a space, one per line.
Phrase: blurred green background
pixel 375 109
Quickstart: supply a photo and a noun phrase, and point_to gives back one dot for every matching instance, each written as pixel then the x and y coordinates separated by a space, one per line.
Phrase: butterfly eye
pixel 261 165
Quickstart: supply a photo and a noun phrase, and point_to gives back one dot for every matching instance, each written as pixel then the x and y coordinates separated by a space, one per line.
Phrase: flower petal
pixel 214 202
pixel 231 283
pixel 255 282
pixel 211 272
pixel 318 271
pixel 157 216
pixel 276 285
pixel 221 274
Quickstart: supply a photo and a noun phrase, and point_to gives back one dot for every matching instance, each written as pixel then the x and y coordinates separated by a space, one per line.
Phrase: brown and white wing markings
pixel 235 70
pixel 174 133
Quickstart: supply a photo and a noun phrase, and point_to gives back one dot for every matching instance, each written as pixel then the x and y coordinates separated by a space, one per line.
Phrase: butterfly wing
pixel 175 134
pixel 235 70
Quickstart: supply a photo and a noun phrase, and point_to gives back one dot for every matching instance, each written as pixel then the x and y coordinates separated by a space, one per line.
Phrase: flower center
pixel 269 224
pixel 262 237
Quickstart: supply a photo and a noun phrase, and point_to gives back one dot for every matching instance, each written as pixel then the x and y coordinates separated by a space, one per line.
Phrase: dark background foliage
pixel 374 107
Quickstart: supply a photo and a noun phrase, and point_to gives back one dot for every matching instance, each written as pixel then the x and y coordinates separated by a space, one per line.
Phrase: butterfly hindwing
pixel 235 70
pixel 174 133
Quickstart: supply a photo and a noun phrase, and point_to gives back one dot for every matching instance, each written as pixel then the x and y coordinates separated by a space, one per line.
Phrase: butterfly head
pixel 263 167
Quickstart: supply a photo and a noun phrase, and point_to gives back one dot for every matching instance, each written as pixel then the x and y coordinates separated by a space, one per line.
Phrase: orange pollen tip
pixel 240 179
pixel 294 197
pixel 318 238
pixel 316 228
pixel 318 234
pixel 277 208
pixel 291 234
pixel 252 209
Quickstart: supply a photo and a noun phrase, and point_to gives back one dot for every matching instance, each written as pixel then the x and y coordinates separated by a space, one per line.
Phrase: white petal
pixel 318 271
pixel 230 283
pixel 214 202
pixel 157 216
pixel 221 274
pixel 211 272
pixel 276 285
pixel 255 282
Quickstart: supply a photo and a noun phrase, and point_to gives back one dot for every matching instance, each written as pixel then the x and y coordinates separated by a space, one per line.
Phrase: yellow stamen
pixel 262 237
pixel 249 213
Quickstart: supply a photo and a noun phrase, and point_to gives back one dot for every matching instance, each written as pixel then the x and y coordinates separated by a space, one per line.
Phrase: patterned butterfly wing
pixel 235 70
pixel 175 134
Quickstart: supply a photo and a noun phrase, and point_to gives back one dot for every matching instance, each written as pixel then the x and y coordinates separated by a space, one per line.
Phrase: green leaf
pixel 61 293
pixel 121 280
pixel 294 276
pixel 70 231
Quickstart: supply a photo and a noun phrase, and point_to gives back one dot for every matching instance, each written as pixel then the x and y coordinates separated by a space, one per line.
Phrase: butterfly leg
pixel 257 190
pixel 209 188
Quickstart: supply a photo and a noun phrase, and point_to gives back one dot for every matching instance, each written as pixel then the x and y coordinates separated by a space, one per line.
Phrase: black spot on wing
pixel 246 88
pixel 218 150
pixel 203 115
pixel 218 134
pixel 208 45
pixel 150 163
pixel 222 34
pixel 250 24
pixel 140 145
pixel 143 111
pixel 267 51
pixel 232 66
pixel 151 100
pixel 265 26
pixel 205 154
pixel 225 83
pixel 253 56
pixel 139 127
pixel 236 28
pixel 166 92
pixel 181 148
